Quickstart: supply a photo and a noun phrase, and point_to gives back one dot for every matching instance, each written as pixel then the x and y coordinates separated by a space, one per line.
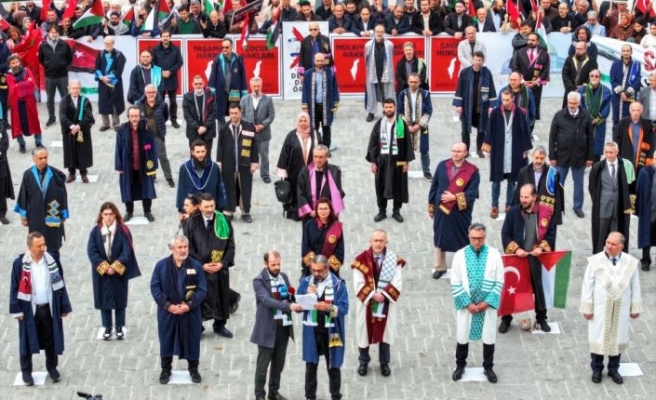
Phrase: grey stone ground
pixel 529 366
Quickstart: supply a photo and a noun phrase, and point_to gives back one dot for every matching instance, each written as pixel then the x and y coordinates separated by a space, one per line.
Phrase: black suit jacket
pixel 403 26
pixel 488 25
pixel 451 23
pixel 435 24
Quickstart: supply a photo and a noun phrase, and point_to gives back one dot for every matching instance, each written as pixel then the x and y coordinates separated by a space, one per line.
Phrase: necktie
pixel 531 56
pixel 614 260
pixel 612 173
pixel 235 134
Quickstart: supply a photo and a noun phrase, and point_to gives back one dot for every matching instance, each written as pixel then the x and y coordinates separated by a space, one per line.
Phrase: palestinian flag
pixel 246 31
pixel 472 11
pixel 158 16
pixel 274 30
pixel 93 16
pixel 209 7
pixel 541 31
pixel 555 277
pixel 517 292
pixel 128 18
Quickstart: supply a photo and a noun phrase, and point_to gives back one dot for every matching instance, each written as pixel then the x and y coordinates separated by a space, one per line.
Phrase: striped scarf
pixel 278 286
pixel 312 318
pixel 25 284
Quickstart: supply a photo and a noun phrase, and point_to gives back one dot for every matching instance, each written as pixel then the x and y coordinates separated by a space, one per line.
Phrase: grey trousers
pixel 263 148
pixel 52 85
pixel 163 158
pixel 116 121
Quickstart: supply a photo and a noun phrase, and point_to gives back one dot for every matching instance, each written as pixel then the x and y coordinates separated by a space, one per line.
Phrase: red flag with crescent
pixel 517 292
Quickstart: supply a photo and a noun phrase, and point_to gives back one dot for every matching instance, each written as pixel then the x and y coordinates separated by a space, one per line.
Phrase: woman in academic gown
pixel 323 235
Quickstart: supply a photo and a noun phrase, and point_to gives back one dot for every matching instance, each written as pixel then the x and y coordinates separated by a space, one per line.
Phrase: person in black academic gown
pixel 212 243
pixel 646 209
pixel 6 185
pixel 178 286
pixel 76 118
pixel 113 264
pixel 295 154
pixel 323 235
pixel 42 200
pixel 199 174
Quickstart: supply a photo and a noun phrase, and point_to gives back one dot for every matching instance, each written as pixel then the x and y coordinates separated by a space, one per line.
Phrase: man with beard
pixel 451 203
pixel 146 73
pixel 212 243
pixel 532 63
pixel 228 80
pixel 42 200
pixel 154 111
pixel 507 141
pixel 609 192
pixel 378 56
pixel 136 163
pixel 311 45
pixel 475 95
pixel 273 324
pixel 528 231
pixel 76 118
pixel 320 98
pixel 625 83
pixel 306 13
pixel 199 110
pixel 408 64
pixel 319 180
pixel 178 286
pixel 522 96
pixel 338 23
pixel 635 140
pixel 457 21
pixel 258 110
pixel 416 108
pixel 238 157
pixel 390 152
pixel 595 99
pixel 109 74
pixel 167 56
pixel 577 68
pixel 397 23
pixel 55 55
pixel 24 115
pixel 199 174
pixel 564 22
pixel 547 184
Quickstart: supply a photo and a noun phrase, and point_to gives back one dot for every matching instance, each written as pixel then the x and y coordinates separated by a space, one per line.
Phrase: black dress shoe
pixel 363 369
pixel 223 331
pixel 504 326
pixel 175 124
pixel 370 117
pixel 27 378
pixel 617 378
pixel 457 374
pixel 164 377
pixel 127 217
pixel 235 306
pixel 150 217
pixel 438 274
pixel 195 376
pixel 644 264
pixel 579 213
pixel 380 216
pixel 276 396
pixel 247 218
pixel 54 374
pixel 543 326
pixel 103 128
pixel 266 179
pixel 385 369
pixel 428 176
pixel 23 150
pixel 397 216
pixel 491 376
pixel 596 376
pixel 107 334
pixel 119 333
pixel 5 221
pixel 170 182
pixel 50 122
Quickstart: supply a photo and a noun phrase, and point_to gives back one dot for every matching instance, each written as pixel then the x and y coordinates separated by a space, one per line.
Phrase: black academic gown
pixel 6 185
pixel 495 139
pixel 646 236
pixel 45 208
pixel 110 292
pixel 291 160
pixel 210 181
pixel 549 189
pixel 205 246
pixel 391 181
pixel 248 154
pixel 623 202
pixel 77 155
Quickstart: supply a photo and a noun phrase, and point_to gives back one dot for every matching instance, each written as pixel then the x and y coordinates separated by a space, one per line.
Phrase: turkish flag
pixel 84 57
pixel 517 292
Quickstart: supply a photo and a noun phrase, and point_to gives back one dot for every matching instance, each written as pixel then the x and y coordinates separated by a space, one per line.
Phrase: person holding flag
pixel 528 231
pixel 378 283
pixel 476 287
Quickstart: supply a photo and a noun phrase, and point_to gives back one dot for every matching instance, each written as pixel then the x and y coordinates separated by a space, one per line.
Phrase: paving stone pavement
pixel 529 366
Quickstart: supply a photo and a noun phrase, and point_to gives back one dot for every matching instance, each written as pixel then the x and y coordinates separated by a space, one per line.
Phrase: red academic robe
pixel 23 103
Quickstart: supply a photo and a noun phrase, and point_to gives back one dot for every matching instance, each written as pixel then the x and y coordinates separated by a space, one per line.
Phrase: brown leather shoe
pixel 103 128
pixel 507 209
pixel 71 178
pixel 494 213
pixel 85 179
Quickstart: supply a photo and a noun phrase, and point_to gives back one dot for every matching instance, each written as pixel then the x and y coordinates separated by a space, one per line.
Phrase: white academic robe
pixel 361 334
pixel 610 293
pixel 373 88
pixel 493 273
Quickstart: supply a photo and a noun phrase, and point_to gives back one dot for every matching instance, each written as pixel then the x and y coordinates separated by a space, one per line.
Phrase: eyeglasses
pixel 313 29
pixel 226 47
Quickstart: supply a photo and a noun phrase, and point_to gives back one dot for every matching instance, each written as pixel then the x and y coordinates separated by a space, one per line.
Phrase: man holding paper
pixel 377 279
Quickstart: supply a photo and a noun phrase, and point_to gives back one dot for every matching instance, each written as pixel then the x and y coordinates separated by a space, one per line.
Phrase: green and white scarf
pixel 286 317
pixel 312 317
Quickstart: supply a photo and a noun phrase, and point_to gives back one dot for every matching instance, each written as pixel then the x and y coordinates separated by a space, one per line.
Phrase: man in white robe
pixel 476 282
pixel 377 278
pixel 379 59
pixel 610 297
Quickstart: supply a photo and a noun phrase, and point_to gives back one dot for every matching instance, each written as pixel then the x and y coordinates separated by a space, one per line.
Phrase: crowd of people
pixel 192 284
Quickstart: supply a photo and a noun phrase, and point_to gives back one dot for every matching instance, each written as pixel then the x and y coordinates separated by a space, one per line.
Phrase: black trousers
pixel 167 364
pixel 83 172
pixel 379 181
pixel 147 205
pixel 274 356
pixel 597 362
pixel 43 323
pixel 462 350
pixel 480 132
pixel 3 199
pixel 52 86
pixel 173 105
pixel 646 257
pixel 334 374
pixel 318 122
pixel 384 355
pixel 536 283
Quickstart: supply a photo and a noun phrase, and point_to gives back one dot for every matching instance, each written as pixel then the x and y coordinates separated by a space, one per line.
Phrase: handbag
pixel 283 191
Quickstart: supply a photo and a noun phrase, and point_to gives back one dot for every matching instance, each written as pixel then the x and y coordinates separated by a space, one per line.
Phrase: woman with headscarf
pixel 624 28
pixel 323 235
pixel 113 264
pixel 296 153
